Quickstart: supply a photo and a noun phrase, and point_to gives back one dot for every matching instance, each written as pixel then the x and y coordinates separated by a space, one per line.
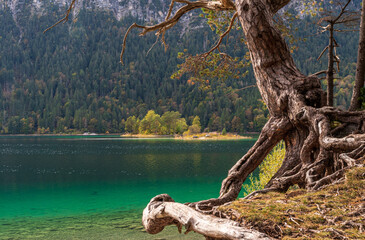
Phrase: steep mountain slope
pixel 70 79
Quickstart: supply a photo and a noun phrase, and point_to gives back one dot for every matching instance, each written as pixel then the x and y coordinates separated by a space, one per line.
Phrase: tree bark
pixel 330 67
pixel 360 65
pixel 298 116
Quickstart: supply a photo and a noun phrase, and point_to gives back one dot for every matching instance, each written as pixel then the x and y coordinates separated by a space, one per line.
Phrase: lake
pixel 96 188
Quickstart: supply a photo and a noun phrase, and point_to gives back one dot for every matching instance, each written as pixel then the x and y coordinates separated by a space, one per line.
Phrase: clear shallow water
pixel 66 188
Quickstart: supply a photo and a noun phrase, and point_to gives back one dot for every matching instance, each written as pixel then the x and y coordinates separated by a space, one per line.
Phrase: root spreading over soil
pixel 334 212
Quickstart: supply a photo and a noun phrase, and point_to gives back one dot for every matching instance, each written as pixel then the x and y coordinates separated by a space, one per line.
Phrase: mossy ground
pixel 335 212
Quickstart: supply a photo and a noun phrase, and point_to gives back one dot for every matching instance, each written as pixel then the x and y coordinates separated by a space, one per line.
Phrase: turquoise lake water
pixel 96 188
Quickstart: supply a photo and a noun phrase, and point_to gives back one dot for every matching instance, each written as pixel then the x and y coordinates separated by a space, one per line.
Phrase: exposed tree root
pixel 358 212
pixel 274 130
pixel 266 190
pixel 348 224
pixel 338 234
pixel 314 162
pixel 324 157
pixel 328 179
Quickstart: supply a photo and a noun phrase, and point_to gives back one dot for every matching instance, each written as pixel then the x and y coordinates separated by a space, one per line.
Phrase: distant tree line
pixel 70 80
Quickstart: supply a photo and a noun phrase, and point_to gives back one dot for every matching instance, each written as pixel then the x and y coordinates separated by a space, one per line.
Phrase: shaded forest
pixel 70 80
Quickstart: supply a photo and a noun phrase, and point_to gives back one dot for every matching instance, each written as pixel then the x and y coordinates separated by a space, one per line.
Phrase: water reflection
pixel 92 184
pixel 151 163
pixel 197 158
pixel 124 173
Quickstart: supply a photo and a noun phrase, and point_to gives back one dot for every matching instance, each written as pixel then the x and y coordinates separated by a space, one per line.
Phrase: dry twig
pixel 65 19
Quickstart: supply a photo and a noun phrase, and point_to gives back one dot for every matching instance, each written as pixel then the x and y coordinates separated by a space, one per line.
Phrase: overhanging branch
pixel 65 19
pixel 222 36
pixel 161 28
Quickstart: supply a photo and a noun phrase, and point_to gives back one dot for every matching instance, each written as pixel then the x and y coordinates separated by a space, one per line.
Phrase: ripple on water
pixel 67 189
pixel 111 225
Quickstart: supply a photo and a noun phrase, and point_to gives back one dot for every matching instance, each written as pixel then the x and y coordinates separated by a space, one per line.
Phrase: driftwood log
pixel 163 211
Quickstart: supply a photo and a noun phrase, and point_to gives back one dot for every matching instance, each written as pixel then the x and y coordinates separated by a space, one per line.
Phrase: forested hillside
pixel 70 79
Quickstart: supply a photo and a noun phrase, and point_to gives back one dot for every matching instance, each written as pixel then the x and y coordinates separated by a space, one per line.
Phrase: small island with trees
pixel 172 124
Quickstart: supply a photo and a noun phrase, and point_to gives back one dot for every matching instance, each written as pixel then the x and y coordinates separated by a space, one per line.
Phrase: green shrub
pixel 224 132
pixel 268 168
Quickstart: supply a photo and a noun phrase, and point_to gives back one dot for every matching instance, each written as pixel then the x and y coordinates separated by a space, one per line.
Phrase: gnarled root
pixel 324 154
pixel 163 211
pixel 315 157
pixel 274 131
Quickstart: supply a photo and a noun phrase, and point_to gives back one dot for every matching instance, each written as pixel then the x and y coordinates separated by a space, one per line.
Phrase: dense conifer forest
pixel 70 80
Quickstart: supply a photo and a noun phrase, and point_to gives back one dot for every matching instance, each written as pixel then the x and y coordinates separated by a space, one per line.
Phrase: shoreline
pixel 213 136
pixel 194 137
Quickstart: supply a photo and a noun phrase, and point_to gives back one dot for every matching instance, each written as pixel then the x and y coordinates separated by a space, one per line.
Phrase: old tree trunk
pixel 316 152
pixel 321 142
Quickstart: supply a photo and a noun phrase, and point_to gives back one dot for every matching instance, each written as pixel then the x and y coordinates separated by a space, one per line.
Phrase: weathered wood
pixel 330 71
pixel 163 211
pixel 343 18
pixel 360 65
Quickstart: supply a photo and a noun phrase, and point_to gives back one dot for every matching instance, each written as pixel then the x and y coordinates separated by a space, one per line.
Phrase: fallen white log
pixel 163 211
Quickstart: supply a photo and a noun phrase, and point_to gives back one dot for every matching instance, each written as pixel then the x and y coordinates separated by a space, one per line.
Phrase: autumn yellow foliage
pixel 267 169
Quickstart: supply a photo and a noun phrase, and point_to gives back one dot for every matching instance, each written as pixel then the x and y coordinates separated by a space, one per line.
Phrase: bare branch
pixel 211 5
pixel 343 10
pixel 222 36
pixel 328 179
pixel 169 22
pixel 337 60
pixel 335 44
pixel 251 86
pixel 319 73
pixel 160 28
pixel 240 89
pixel 346 30
pixel 172 7
pixel 324 50
pixel 153 45
pixel 134 25
pixel 65 19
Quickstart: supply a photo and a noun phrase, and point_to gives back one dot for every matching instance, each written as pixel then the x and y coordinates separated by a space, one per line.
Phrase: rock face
pixel 146 10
